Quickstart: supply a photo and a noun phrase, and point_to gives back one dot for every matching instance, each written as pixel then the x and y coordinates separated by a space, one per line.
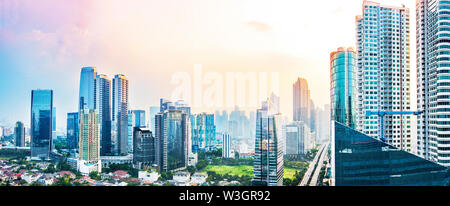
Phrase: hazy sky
pixel 44 44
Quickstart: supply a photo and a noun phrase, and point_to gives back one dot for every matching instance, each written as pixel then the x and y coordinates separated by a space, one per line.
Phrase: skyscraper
pixel 119 131
pixel 433 80
pixel 268 159
pixel 172 136
pixel 144 151
pixel 301 101
pixel 89 142
pixel 384 71
pixel 226 146
pixel 344 93
pixel 19 132
pixel 152 112
pixel 41 124
pixel 73 130
pixel 203 132
pixel 102 106
pixel 87 88
pixel 136 118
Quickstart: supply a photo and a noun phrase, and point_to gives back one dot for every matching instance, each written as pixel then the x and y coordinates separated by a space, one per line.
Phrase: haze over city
pixel 44 45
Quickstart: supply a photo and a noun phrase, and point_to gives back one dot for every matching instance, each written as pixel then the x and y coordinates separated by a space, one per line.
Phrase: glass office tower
pixel 172 135
pixel 102 106
pixel 87 88
pixel 433 80
pixel 268 160
pixel 343 80
pixel 19 133
pixel 203 132
pixel 119 124
pixel 41 124
pixel 361 160
pixel 72 130
pixel 144 148
pixel 136 118
pixel 383 52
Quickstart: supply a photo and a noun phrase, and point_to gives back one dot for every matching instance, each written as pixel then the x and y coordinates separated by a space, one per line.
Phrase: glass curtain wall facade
pixel 268 159
pixel 41 124
pixel 144 151
pixel 203 132
pixel 72 130
pixel 19 133
pixel 360 160
pixel 119 121
pixel 344 94
pixel 172 135
pixel 103 109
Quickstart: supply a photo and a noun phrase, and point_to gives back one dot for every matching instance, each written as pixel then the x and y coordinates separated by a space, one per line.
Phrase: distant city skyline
pixel 47 51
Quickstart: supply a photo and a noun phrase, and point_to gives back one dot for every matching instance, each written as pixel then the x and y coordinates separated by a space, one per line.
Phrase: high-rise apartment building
pixel 433 80
pixel 41 124
pixel 268 158
pixel 119 124
pixel 344 93
pixel 383 55
pixel 73 130
pixel 19 133
pixel 89 142
pixel 172 136
pixel 102 105
pixel 226 146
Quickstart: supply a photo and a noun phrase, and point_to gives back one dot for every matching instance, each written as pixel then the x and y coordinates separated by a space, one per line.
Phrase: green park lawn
pixel 240 170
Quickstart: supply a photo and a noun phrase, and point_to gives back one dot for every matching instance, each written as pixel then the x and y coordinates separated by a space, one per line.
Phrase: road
pixel 323 157
pixel 311 167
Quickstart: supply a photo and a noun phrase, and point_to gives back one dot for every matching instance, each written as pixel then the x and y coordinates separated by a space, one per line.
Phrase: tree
pixel 201 164
pixel 95 175
pixel 191 169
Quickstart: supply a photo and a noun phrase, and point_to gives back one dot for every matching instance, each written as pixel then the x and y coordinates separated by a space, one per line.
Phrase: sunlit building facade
pixel 119 120
pixel 344 93
pixel 383 62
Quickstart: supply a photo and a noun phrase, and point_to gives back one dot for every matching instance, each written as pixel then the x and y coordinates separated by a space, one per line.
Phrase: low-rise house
pixel 148 177
pixel 31 177
pixel 198 178
pixel 181 178
pixel 46 180
pixel 120 174
pixel 65 174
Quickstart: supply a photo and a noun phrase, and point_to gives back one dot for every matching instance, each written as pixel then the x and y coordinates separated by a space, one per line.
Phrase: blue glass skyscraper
pixel 41 124
pixel 343 79
pixel 72 130
pixel 87 88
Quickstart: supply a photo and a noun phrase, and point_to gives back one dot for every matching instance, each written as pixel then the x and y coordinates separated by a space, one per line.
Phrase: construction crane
pixel 381 114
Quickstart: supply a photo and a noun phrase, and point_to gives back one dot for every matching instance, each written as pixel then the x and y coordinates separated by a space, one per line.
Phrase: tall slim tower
pixel 384 71
pixel 87 88
pixel 19 132
pixel 102 106
pixel 344 94
pixel 268 159
pixel 73 129
pixel 301 101
pixel 119 132
pixel 41 124
pixel 433 80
